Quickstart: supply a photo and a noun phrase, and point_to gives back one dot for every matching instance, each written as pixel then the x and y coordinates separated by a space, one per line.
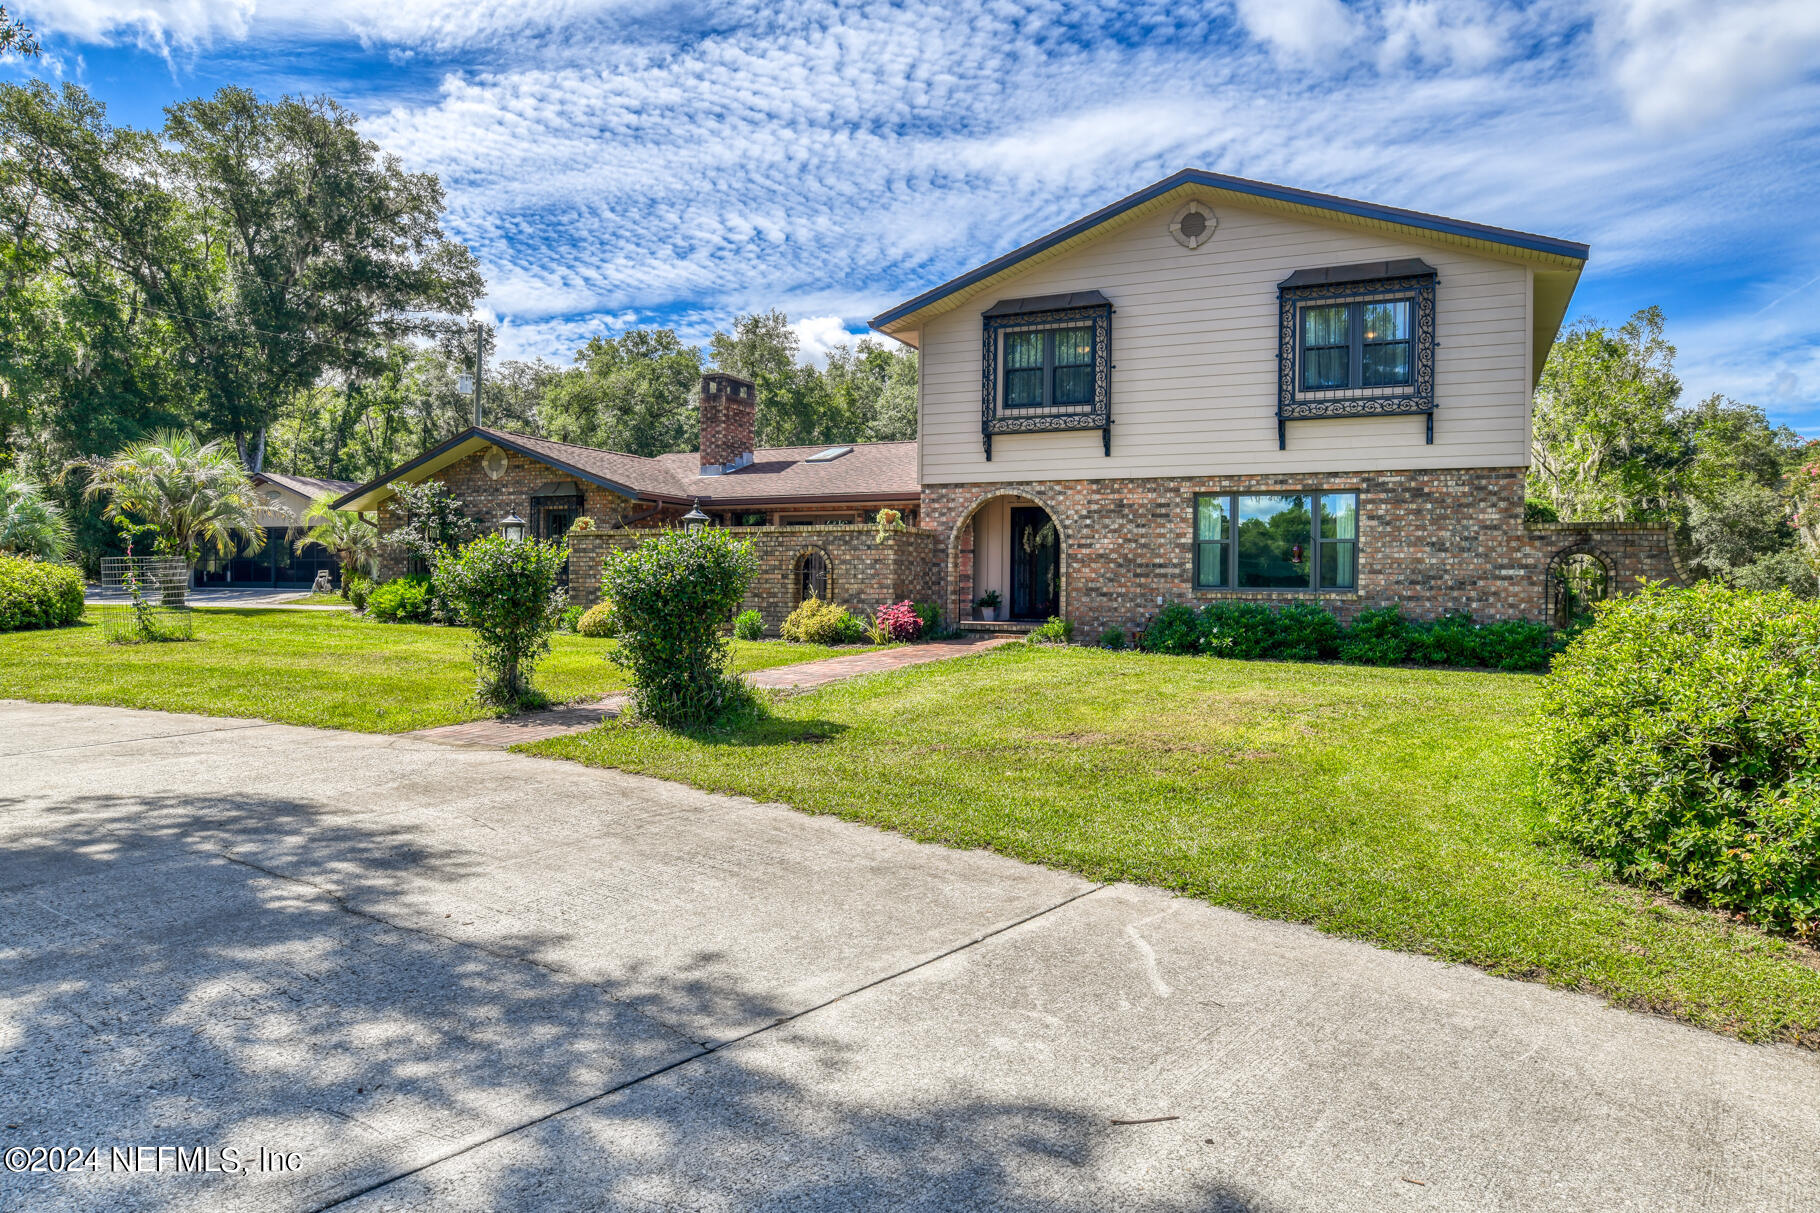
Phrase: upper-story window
pixel 1357 341
pixel 1365 343
pixel 1046 366
pixel 1049 367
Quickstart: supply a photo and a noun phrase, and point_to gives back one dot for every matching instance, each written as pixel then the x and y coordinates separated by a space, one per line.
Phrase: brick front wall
pixel 863 573
pixel 490 499
pixel 1433 541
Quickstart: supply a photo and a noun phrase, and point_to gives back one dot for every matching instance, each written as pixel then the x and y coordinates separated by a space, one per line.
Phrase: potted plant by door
pixel 988 606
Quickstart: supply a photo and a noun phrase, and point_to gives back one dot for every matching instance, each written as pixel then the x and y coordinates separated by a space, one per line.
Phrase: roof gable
pixel 1546 252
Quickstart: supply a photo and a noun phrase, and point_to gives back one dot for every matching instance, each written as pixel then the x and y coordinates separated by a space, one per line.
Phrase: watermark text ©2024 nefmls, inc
pixel 195 1160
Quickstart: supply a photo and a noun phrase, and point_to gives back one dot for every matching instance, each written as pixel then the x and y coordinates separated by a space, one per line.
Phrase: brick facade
pixel 490 498
pixel 1433 541
pixel 863 574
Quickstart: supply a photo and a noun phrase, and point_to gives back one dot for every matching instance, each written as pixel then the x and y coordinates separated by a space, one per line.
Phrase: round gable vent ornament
pixel 493 463
pixel 1193 225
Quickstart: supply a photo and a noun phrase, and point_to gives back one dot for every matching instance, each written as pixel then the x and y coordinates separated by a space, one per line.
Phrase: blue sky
pixel 618 162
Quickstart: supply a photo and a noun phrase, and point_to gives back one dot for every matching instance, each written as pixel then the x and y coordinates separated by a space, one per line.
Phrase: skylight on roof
pixel 829 455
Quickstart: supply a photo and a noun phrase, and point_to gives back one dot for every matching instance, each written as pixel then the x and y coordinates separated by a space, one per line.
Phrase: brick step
pixel 1010 627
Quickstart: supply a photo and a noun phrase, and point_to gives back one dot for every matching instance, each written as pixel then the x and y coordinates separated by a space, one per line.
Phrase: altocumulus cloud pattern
pixel 619 162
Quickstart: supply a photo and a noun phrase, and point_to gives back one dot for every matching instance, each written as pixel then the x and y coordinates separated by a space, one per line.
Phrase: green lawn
pixel 323 668
pixel 1394 806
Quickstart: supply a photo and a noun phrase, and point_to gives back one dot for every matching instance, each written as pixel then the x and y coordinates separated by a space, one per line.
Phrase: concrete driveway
pixel 423 977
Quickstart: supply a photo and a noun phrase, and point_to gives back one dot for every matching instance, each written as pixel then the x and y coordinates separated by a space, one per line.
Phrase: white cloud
pixel 819 334
pixel 1685 63
pixel 1300 29
pixel 613 163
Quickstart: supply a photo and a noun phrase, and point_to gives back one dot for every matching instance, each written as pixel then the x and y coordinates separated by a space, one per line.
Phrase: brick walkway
pixel 578 718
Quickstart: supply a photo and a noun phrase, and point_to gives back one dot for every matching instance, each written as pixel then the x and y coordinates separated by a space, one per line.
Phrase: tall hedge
pixel 38 594
pixel 672 594
pixel 1680 746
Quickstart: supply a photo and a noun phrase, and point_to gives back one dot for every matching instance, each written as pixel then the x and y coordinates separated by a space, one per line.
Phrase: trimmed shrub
pixel 1380 636
pixel 1514 645
pixel 1113 638
pixel 1238 629
pixel 1453 639
pixel 818 622
pixel 570 617
pixel 1175 630
pixel 38 594
pixel 598 622
pixel 357 589
pixel 508 590
pixel 1305 631
pixel 1054 630
pixel 1680 746
pixel 899 621
pixel 931 617
pixel 672 595
pixel 401 600
pixel 749 625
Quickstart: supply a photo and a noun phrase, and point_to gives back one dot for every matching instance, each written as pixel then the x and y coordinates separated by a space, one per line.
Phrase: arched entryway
pixel 1010 547
pixel 1578 576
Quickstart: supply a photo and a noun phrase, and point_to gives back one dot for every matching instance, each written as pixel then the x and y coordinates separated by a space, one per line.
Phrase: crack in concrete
pixel 706 1050
pixel 92 745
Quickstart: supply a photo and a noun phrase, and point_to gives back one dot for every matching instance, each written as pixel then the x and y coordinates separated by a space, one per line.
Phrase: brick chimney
pixel 729 408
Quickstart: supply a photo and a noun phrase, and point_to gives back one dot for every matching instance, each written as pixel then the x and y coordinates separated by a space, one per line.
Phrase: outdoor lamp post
pixel 695 520
pixel 512 527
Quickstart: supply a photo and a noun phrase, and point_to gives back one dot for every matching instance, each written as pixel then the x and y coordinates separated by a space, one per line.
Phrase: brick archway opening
pixel 960 595
pixel 1578 576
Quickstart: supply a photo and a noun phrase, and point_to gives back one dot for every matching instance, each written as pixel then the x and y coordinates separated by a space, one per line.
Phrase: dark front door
pixel 1035 564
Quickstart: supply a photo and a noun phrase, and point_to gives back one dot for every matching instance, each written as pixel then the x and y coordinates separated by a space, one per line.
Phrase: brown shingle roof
pixel 309 486
pixel 869 471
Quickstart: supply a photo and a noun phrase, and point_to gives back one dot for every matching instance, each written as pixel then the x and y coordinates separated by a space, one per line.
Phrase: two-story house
pixel 1217 387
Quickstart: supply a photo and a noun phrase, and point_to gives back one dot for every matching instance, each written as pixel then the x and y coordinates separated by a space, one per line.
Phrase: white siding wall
pixel 1194 345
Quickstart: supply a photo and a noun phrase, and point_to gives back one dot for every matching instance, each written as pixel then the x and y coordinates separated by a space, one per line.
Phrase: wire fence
pixel 144 598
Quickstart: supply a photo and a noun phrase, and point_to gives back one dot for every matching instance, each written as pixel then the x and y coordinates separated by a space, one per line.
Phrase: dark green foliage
pixel 851 629
pixel 1680 746
pixel 931 615
pixel 673 593
pixel 1305 631
pixel 1176 630
pixel 749 625
pixel 1113 638
pixel 357 590
pixel 1308 631
pixel 509 593
pixel 1236 628
pixel 1054 630
pixel 1453 639
pixel 1380 636
pixel 38 594
pixel 571 615
pixel 401 600
pixel 1518 646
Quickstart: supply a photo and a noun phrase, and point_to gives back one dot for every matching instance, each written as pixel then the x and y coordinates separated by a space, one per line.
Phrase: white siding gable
pixel 1194 352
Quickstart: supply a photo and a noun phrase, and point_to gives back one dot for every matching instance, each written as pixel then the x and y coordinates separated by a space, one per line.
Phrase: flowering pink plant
pixel 899 621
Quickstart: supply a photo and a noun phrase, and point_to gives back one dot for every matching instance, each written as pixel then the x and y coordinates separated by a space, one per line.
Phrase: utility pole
pixel 480 365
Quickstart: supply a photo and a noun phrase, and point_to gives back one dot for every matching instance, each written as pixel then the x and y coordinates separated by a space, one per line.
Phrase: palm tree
pixel 30 523
pixel 194 493
pixel 353 539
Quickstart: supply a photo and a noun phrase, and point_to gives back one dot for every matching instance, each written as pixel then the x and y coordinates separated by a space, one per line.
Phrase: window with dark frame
pixel 1364 343
pixel 1276 541
pixel 1049 368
